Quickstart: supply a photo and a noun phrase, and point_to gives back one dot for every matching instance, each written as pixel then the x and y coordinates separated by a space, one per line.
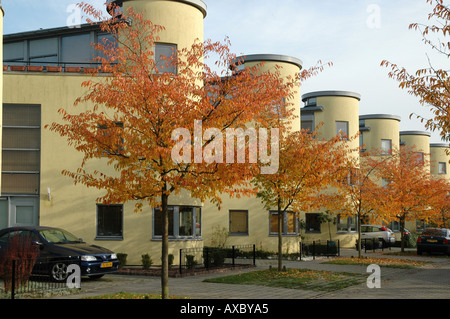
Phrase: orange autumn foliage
pixel 431 85
pixel 128 119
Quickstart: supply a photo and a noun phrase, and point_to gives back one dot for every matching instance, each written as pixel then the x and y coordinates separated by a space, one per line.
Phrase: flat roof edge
pixel 199 4
pixel 331 93
pixel 415 133
pixel 440 145
pixel 380 117
pixel 270 57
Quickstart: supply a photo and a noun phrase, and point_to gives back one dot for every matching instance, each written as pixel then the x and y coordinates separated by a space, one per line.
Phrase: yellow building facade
pixel 43 72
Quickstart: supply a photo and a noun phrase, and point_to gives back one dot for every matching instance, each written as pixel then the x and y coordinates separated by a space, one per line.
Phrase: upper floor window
pixel 166 57
pixel 342 128
pixel 442 169
pixel 386 147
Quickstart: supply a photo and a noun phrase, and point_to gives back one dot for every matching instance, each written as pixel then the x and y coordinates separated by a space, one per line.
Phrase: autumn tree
pixel 432 84
pixel 308 166
pixel 409 190
pixel 154 133
pixel 358 193
pixel 441 203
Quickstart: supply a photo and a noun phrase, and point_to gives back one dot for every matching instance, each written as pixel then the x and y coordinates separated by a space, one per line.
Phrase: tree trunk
pixel 280 237
pixel 165 246
pixel 402 235
pixel 358 222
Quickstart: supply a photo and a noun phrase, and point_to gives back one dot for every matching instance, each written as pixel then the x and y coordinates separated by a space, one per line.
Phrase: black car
pixel 58 249
pixel 434 240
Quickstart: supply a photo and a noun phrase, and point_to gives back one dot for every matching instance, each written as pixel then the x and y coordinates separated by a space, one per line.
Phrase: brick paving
pixel 430 282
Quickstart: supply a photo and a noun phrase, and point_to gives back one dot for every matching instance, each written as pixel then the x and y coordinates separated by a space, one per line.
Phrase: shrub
pixel 24 253
pixel 190 261
pixel 122 259
pixel 146 261
pixel 171 257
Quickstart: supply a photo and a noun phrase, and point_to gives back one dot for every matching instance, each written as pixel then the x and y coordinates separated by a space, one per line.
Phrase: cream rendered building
pixel 44 72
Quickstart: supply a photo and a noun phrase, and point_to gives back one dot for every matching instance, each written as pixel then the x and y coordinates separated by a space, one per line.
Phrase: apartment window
pixel 307 122
pixel 312 222
pixel 361 143
pixel 311 101
pixel 346 224
pixel 110 140
pixel 238 222
pixel 342 129
pixel 166 57
pixel 386 147
pixel 420 157
pixel 289 221
pixel 394 225
pixel 110 221
pixel 442 169
pixel 21 149
pixel 76 50
pixel 184 222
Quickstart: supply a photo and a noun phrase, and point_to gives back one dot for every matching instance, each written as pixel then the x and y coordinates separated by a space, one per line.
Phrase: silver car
pixel 382 233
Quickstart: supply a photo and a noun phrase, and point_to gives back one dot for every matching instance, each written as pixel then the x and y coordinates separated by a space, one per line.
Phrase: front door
pixel 23 211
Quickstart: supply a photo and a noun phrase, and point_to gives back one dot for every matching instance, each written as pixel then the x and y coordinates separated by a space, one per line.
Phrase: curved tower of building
pixel 379 132
pixel 440 160
pixel 337 110
pixel 182 19
pixel 290 66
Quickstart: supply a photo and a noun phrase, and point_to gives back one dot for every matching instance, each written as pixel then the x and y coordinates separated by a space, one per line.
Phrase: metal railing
pixel 192 259
pixel 33 277
pixel 328 249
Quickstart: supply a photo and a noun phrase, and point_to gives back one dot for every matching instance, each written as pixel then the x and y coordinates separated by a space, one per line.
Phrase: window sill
pixel 115 238
pixel 178 239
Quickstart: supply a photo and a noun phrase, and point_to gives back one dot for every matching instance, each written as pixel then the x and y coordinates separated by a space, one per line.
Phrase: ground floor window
pixel 290 223
pixel 346 224
pixel 184 222
pixel 238 222
pixel 312 223
pixel 109 221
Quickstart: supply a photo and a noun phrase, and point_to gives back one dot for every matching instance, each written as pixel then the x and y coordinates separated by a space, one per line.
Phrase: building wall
pixel 439 155
pixel 378 127
pixel 182 20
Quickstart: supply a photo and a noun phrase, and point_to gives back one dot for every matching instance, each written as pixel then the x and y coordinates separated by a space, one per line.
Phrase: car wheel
pixel 58 272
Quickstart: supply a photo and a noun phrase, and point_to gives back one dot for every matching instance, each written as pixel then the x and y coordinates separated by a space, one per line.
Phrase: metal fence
pixel 33 277
pixel 372 244
pixel 194 259
pixel 330 248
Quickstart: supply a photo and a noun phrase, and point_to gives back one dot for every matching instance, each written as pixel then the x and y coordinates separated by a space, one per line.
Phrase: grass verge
pixel 325 281
pixel 385 262
pixel 126 295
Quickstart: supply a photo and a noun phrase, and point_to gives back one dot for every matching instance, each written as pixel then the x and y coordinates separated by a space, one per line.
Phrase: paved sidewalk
pixel 431 282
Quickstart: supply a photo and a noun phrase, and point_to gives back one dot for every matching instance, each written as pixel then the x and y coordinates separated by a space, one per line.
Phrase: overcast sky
pixel 355 35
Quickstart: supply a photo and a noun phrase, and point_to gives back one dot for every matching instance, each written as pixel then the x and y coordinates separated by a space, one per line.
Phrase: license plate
pixel 106 265
pixel 432 240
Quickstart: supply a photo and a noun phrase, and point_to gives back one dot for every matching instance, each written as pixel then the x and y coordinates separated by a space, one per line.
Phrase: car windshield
pixel 434 232
pixel 58 236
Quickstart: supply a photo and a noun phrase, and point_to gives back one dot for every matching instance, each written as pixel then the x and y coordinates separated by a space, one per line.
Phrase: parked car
pixel 434 240
pixel 382 233
pixel 58 249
